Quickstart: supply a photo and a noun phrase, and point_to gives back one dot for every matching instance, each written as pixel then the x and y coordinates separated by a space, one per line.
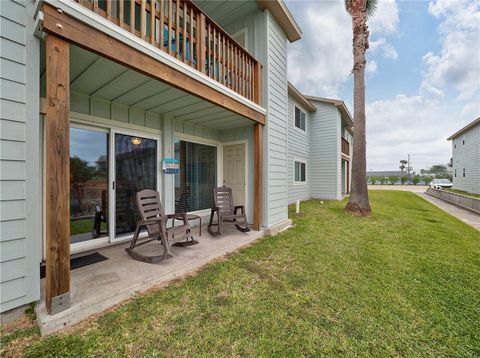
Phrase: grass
pixel 405 282
pixel 466 193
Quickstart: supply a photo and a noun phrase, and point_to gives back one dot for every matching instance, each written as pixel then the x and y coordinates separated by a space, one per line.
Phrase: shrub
pixel 403 179
pixel 415 180
pixel 393 179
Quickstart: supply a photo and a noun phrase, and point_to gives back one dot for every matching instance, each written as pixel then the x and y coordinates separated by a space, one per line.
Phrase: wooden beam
pixel 98 42
pixel 257 175
pixel 57 127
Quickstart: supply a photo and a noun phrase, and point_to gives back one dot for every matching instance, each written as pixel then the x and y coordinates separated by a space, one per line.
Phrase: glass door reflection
pixel 88 184
pixel 135 170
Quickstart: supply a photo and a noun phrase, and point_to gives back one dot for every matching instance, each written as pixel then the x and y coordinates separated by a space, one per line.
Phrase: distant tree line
pixel 438 171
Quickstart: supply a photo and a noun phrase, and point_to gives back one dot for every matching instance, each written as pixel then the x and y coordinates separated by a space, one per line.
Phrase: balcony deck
pixel 181 29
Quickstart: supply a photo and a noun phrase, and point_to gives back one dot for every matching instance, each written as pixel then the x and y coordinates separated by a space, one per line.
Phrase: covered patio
pixel 102 285
pixel 115 115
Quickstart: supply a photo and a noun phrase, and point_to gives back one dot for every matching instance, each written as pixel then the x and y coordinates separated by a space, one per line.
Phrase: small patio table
pixel 191 217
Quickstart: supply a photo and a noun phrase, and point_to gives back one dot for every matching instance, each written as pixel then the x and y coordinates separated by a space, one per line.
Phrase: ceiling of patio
pixel 224 12
pixel 99 77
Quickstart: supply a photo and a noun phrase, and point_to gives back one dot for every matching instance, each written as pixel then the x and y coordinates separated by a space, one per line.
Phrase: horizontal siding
pixel 298 149
pixel 325 150
pixel 467 156
pixel 276 131
pixel 14 239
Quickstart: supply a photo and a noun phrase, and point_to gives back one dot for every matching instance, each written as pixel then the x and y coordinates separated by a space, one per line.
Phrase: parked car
pixel 440 183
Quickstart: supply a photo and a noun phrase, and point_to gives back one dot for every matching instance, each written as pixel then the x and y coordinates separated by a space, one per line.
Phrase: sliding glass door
pixel 107 169
pixel 88 184
pixel 136 169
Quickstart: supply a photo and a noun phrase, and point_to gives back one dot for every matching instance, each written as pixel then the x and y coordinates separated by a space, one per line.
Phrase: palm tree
pixel 359 10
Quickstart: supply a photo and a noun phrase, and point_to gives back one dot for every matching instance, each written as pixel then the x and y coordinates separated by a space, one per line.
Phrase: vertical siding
pixel 20 230
pixel 298 148
pixel 467 156
pixel 325 152
pixel 275 136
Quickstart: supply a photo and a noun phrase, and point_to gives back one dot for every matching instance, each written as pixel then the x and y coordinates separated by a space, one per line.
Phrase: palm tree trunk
pixel 358 203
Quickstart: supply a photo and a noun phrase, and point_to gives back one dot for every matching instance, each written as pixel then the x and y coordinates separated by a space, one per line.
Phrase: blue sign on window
pixel 170 166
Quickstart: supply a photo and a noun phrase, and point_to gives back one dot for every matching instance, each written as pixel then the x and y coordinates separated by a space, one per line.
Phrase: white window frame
pixel 79 120
pixel 302 161
pixel 243 31
pixel 304 131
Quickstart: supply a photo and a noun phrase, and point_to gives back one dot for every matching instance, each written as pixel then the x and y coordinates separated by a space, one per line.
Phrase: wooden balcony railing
pixel 181 29
pixel 345 147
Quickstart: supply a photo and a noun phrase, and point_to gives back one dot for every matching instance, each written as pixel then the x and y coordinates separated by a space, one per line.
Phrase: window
pixel 241 38
pixel 463 140
pixel 197 178
pixel 464 172
pixel 299 119
pixel 455 173
pixel 300 172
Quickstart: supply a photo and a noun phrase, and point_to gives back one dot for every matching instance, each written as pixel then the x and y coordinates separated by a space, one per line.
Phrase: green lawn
pixel 405 282
pixel 466 193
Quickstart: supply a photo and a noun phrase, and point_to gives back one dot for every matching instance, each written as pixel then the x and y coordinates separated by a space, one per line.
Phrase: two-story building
pixel 319 147
pixel 97 97
pixel 466 157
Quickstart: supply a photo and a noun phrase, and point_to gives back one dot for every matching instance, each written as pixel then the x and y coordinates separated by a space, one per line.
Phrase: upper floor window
pixel 463 140
pixel 455 173
pixel 241 38
pixel 299 119
pixel 300 172
pixel 464 172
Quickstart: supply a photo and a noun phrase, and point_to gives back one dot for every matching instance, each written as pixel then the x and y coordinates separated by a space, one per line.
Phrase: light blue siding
pixel 298 149
pixel 325 155
pixel 20 225
pixel 467 156
pixel 275 136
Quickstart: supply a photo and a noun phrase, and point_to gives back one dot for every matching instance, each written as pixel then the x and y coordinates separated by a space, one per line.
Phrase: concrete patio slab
pixel 100 286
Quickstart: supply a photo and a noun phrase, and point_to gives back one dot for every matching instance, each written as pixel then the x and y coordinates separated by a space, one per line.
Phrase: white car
pixel 440 183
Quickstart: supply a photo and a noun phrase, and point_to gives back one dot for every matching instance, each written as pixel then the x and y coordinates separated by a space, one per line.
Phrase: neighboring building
pixel 320 137
pixel 466 157
pixel 109 89
pixel 386 174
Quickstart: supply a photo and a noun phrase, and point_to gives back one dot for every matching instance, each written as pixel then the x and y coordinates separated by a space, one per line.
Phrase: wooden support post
pixel 257 175
pixel 57 127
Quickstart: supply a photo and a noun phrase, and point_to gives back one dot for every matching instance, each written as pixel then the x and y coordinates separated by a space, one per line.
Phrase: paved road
pixel 462 214
pixel 412 188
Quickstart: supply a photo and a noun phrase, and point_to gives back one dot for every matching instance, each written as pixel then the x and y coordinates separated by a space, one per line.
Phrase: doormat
pixel 78 262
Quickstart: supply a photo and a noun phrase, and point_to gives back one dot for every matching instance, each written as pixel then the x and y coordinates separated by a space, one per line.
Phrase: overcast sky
pixel 423 72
